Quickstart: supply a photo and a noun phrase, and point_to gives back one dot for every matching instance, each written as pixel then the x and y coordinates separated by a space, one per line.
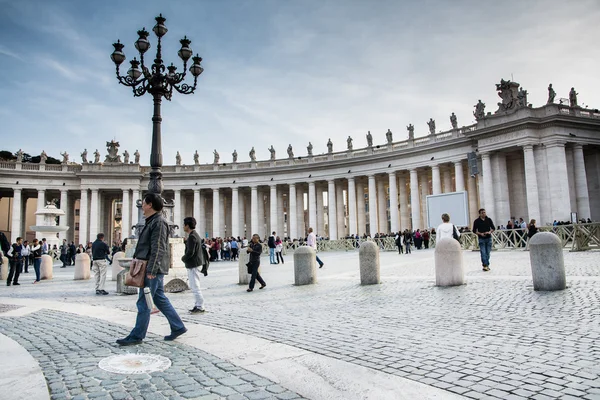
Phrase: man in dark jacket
pixel 99 265
pixel 272 245
pixel 15 260
pixel 153 246
pixel 193 260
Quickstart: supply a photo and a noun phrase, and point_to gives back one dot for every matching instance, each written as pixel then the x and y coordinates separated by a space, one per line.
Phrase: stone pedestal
pixel 4 269
pixel 46 267
pixel 369 263
pixel 547 263
pixel 82 267
pixel 116 268
pixel 125 263
pixel 244 276
pixel 177 279
pixel 449 268
pixel 305 266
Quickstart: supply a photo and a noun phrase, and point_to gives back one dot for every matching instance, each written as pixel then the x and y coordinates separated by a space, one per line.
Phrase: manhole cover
pixel 134 363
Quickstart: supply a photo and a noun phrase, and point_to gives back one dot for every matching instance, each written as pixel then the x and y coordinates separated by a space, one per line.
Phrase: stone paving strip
pixel 68 348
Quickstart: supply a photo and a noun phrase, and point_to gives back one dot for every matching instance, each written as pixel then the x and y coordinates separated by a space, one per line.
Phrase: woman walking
pixel 278 249
pixel 255 250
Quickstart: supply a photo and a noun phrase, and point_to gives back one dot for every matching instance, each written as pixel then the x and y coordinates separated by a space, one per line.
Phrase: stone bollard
pixel 116 268
pixel 305 266
pixel 244 276
pixel 368 255
pixel 4 269
pixel 46 267
pixel 82 267
pixel 449 268
pixel 547 263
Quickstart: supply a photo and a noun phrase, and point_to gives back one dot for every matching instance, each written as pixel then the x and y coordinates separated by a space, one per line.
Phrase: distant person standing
pixel 446 229
pixel 311 241
pixel 398 241
pixel 36 252
pixel 254 250
pixel 64 249
pixel 15 260
pixel 272 245
pixel 483 228
pixel 100 251
pixel 193 259
pixel 279 249
pixel 408 239
pixel 25 252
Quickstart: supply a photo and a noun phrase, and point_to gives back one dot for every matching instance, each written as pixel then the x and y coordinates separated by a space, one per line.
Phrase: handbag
pixel 136 274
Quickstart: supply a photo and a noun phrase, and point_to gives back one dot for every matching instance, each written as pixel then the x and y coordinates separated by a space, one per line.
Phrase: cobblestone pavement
pixel 492 338
pixel 69 347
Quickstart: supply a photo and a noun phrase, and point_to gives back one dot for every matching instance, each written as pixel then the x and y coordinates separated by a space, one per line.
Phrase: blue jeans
pixel 272 255
pixel 485 247
pixel 37 263
pixel 319 261
pixel 161 302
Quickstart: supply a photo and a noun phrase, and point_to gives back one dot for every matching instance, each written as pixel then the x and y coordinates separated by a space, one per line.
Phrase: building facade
pixel 541 163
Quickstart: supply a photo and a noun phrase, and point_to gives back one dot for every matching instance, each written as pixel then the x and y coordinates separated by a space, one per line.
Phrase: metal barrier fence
pixel 575 237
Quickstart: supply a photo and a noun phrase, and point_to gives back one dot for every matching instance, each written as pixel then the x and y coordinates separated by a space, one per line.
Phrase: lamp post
pixel 159 81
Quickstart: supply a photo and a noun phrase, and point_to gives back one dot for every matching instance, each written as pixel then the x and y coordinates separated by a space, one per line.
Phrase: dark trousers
pixel 279 255
pixel 399 249
pixel 15 271
pixel 63 258
pixel 25 265
pixel 234 254
pixel 256 276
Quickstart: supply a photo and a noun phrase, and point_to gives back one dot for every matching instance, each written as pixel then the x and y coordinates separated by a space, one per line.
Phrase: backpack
pixel 4 243
pixel 455 233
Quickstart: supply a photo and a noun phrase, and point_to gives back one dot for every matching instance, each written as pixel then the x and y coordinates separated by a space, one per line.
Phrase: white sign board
pixel 454 204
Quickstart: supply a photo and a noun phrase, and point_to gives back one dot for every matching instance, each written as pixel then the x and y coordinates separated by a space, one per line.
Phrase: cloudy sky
pixel 282 71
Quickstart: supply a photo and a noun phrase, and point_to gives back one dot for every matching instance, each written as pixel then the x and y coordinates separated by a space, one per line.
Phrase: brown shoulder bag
pixel 136 274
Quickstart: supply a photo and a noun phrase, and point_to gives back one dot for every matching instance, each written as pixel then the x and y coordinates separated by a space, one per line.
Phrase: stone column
pixel 62 220
pixel 531 183
pixel 301 225
pixel 436 183
pixel 177 220
pixel 332 210
pixel 502 195
pixel 557 171
pixel 320 212
pixel 488 187
pixel 339 207
pixel 261 215
pixel 415 206
pixel 352 206
pixel 41 203
pixel 404 215
pixel 581 187
pixel 280 214
pixel 312 206
pixel 292 212
pixel 83 217
pixel 196 207
pixel 222 207
pixel 273 209
pixel 125 219
pixel 382 206
pixel 235 212
pixel 393 185
pixel 244 209
pixel 201 220
pixel 426 224
pixel 360 208
pixel 372 206
pixel 94 214
pixel 253 211
pixel 17 210
pixel 473 206
pixel 135 217
pixel 459 176
pixel 447 180
pixel 216 221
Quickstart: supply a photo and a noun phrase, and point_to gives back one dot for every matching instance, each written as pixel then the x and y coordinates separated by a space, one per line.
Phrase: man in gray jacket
pixel 153 246
pixel 194 260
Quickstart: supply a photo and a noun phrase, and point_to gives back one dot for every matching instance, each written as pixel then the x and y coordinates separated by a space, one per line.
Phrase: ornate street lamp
pixel 159 81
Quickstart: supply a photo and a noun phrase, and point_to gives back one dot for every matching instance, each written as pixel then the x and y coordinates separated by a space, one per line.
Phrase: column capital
pixel 95 190
pixel 215 190
pixel 458 162
pixel 527 147
pixel 435 166
pixel 555 144
pixel 485 154
pixel 578 146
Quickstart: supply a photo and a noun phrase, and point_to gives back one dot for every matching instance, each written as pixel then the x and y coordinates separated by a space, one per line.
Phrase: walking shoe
pixel 104 292
pixel 174 335
pixel 7 283
pixel 128 341
pixel 197 310
pixel 98 291
pixel 263 286
pixel 321 266
pixel 247 290
pixel 486 268
pixel 16 284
